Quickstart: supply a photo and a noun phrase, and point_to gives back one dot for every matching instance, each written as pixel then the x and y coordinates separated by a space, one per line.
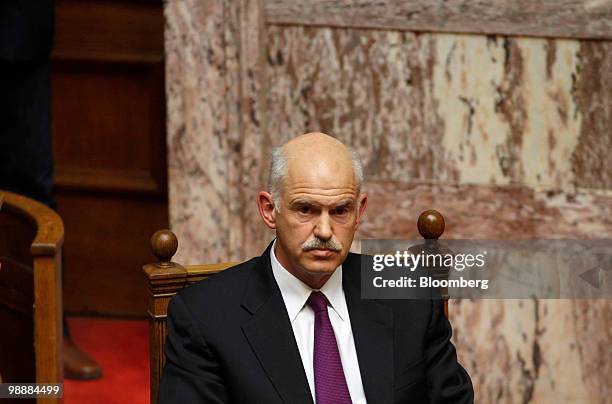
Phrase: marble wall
pixel 509 137
pixel 459 108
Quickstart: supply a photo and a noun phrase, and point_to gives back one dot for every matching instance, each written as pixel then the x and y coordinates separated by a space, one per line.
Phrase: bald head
pixel 314 158
pixel 314 141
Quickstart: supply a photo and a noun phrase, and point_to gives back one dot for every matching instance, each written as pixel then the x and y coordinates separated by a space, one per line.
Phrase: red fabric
pixel 121 347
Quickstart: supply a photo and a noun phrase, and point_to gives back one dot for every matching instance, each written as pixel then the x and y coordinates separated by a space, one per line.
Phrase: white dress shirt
pixel 295 293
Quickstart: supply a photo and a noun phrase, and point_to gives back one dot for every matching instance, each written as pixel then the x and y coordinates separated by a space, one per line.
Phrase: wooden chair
pixel 31 238
pixel 166 278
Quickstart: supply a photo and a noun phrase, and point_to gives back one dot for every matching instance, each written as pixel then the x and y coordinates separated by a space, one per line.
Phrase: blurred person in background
pixel 26 161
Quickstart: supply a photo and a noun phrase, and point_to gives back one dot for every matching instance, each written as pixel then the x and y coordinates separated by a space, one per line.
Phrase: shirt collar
pixel 295 292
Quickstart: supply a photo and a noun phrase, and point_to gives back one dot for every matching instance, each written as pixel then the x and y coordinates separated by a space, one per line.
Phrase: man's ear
pixel 363 201
pixel 265 203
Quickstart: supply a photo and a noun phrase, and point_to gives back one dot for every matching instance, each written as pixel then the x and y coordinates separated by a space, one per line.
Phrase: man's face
pixel 319 208
pixel 317 217
pixel 316 225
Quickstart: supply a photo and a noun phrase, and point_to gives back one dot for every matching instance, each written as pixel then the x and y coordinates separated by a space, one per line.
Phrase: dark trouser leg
pixel 26 158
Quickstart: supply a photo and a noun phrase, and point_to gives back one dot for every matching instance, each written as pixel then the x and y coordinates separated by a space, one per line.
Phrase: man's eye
pixel 304 209
pixel 340 211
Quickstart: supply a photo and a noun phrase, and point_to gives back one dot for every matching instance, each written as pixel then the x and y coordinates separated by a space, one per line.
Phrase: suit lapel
pixel 271 337
pixel 372 325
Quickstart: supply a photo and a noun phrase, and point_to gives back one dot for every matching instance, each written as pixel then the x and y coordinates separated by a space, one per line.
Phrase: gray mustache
pixel 318 244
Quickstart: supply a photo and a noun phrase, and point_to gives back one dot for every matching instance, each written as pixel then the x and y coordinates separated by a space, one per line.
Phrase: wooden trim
pixel 196 273
pixel 121 32
pixel 164 281
pixel 50 227
pixel 105 179
pixel 107 57
pixel 545 18
pixel 48 319
pixel 208 269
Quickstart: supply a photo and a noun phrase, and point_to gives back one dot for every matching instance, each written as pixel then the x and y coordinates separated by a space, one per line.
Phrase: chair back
pixel 165 279
pixel 31 238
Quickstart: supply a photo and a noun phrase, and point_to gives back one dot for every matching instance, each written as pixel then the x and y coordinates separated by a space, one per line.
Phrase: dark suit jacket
pixel 26 36
pixel 26 29
pixel 230 340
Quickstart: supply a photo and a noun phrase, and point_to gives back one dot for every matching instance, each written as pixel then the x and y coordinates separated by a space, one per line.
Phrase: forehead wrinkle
pixel 339 201
pixel 325 183
pixel 314 188
pixel 327 195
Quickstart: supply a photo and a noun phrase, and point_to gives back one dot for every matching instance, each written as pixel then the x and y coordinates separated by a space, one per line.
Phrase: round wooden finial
pixel 164 244
pixel 431 224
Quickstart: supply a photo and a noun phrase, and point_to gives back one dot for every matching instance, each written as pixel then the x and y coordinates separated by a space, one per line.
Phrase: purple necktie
pixel 330 383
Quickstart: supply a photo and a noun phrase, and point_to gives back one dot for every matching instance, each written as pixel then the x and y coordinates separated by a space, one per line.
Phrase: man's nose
pixel 323 228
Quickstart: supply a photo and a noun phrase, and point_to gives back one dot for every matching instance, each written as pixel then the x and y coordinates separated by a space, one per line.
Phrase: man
pixel 290 326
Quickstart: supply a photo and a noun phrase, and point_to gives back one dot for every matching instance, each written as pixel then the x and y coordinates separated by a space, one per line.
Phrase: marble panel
pixel 196 127
pixel 535 351
pixel 463 108
pixel 486 212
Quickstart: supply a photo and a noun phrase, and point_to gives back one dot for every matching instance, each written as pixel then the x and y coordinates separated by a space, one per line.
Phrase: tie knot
pixel 317 301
